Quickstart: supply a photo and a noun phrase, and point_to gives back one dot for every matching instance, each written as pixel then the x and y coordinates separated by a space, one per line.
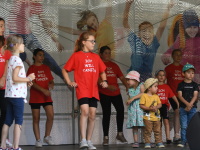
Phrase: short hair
pixel 145 23
pixel 103 48
pixel 176 50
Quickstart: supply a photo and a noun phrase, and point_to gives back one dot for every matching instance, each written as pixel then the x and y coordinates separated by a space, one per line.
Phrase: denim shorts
pixel 15 110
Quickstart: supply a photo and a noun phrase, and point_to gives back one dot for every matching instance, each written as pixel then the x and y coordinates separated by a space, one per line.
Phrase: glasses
pixel 92 41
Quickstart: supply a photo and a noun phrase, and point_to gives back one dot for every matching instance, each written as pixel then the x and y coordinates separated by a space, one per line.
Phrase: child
pixel 112 95
pixel 87 67
pixel 144 46
pixel 165 92
pixel 150 103
pixel 40 95
pixel 188 95
pixel 135 113
pixel 186 38
pixel 174 77
pixel 16 91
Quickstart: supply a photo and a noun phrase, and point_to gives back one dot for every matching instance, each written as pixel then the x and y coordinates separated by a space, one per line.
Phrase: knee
pixel 36 120
pixel 50 117
pixel 84 113
pixel 92 116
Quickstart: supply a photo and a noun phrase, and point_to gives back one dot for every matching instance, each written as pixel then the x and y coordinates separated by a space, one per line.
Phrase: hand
pixel 29 84
pixel 104 84
pixel 51 86
pixel 59 46
pixel 129 101
pixel 72 84
pixel 32 76
pixel 112 88
pixel 165 59
pixel 187 108
pixel 154 108
pixel 171 4
pixel 46 92
pixel 2 81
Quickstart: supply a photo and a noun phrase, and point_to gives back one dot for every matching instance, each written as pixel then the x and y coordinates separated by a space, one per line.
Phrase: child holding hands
pixel 135 113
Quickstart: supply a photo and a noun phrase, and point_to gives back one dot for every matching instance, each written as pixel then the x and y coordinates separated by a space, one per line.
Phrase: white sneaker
pixel 48 140
pixel 38 143
pixel 83 144
pixel 91 146
pixel 8 143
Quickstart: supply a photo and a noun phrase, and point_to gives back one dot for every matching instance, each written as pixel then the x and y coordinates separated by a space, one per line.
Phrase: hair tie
pixel 11 45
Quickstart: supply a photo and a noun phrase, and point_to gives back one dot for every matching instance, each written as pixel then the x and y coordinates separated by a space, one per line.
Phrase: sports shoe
pixel 8 143
pixel 135 145
pixel 83 144
pixel 4 149
pixel 168 141
pixel 147 145
pixel 19 148
pixel 182 144
pixel 160 145
pixel 48 140
pixel 105 141
pixel 120 138
pixel 91 146
pixel 176 140
pixel 38 143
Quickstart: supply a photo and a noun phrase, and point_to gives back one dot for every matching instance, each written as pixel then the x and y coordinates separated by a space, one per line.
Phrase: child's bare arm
pixel 46 92
pixel 145 108
pixel 16 78
pixel 163 23
pixel 51 85
pixel 126 13
pixel 67 79
pixel 183 100
pixel 3 78
pixel 194 98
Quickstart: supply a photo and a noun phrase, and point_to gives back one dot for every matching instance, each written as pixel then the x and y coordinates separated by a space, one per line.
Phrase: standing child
pixel 174 77
pixel 40 95
pixel 150 103
pixel 16 91
pixel 135 113
pixel 188 94
pixel 144 46
pixel 165 92
pixel 87 67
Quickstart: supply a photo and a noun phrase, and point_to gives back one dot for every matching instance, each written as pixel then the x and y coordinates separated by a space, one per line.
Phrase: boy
pixel 150 103
pixel 187 94
pixel 174 77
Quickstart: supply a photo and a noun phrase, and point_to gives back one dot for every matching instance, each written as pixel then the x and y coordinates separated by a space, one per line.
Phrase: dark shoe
pixel 105 141
pixel 121 139
pixel 176 140
pixel 168 141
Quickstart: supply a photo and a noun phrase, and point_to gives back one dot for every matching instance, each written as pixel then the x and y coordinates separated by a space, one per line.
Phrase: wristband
pixel 29 78
pixel 105 81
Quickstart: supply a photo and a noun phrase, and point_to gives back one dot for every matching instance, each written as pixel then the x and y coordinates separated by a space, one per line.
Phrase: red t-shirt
pixel 165 92
pixel 86 67
pixel 3 59
pixel 112 72
pixel 42 78
pixel 174 76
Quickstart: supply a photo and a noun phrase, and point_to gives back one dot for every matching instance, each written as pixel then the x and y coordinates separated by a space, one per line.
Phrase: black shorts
pixel 92 102
pixel 173 104
pixel 164 112
pixel 37 105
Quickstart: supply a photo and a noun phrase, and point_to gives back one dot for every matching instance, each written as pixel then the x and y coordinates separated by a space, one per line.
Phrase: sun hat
pixel 190 18
pixel 149 82
pixel 133 75
pixel 187 67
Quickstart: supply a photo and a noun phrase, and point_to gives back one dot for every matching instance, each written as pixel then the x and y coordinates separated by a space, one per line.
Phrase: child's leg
pixel 135 134
pixel 176 123
pixel 4 135
pixel 156 130
pixel 191 114
pixel 50 117
pixel 36 121
pixel 183 122
pixel 167 128
pixel 91 122
pixel 148 130
pixel 84 119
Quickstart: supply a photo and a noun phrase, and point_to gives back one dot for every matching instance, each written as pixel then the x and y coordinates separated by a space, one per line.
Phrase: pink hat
pixel 133 75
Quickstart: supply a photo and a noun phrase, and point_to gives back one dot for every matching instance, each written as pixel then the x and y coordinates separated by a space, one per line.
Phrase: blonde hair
pixel 145 23
pixel 83 37
pixel 84 17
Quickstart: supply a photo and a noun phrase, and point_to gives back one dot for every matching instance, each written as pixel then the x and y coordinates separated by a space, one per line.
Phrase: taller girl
pixel 16 91
pixel 87 67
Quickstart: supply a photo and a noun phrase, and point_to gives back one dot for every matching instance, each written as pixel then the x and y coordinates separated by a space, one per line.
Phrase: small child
pixel 150 103
pixel 16 91
pixel 40 95
pixel 188 94
pixel 165 92
pixel 174 77
pixel 135 113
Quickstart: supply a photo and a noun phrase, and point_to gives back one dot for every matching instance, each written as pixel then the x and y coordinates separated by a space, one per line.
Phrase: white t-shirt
pixel 19 89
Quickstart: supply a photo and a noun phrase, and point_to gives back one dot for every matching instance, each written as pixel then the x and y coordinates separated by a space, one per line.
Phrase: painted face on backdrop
pixel 92 22
pixel 2 27
pixel 146 34
pixel 192 31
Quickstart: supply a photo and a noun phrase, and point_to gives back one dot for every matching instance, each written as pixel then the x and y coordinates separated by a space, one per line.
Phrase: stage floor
pixel 100 147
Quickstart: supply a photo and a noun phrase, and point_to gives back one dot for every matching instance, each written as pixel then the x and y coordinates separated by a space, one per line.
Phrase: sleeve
pixel 49 73
pixel 171 93
pixel 132 38
pixel 196 87
pixel 158 100
pixel 156 43
pixel 70 64
pixel 7 54
pixel 142 99
pixel 118 71
pixel 179 88
pixel 17 62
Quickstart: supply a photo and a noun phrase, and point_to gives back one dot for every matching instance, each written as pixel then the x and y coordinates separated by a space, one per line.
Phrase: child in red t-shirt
pixel 165 92
pixel 40 95
pixel 87 67
pixel 174 77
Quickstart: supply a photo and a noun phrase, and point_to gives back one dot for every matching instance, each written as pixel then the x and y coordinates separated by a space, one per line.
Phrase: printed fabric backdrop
pixel 54 26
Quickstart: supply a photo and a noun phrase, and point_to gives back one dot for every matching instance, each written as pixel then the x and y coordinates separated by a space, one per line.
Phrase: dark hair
pixel 83 37
pixel 158 71
pixel 1 19
pixel 103 48
pixel 2 41
pixel 36 51
pixel 176 50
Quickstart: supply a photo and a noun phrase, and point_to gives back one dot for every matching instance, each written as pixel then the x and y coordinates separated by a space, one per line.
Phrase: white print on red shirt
pixel 89 66
pixel 41 76
pixel 110 72
pixel 177 75
pixel 161 94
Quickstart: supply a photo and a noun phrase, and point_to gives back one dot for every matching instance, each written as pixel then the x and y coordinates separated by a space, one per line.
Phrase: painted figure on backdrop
pixel 103 31
pixel 144 46
pixel 18 23
pixel 185 35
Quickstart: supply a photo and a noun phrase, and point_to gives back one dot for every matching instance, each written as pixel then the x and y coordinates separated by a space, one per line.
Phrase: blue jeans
pixel 31 42
pixel 15 110
pixel 185 117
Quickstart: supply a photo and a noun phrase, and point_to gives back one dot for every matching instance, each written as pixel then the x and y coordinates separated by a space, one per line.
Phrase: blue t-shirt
pixel 143 56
